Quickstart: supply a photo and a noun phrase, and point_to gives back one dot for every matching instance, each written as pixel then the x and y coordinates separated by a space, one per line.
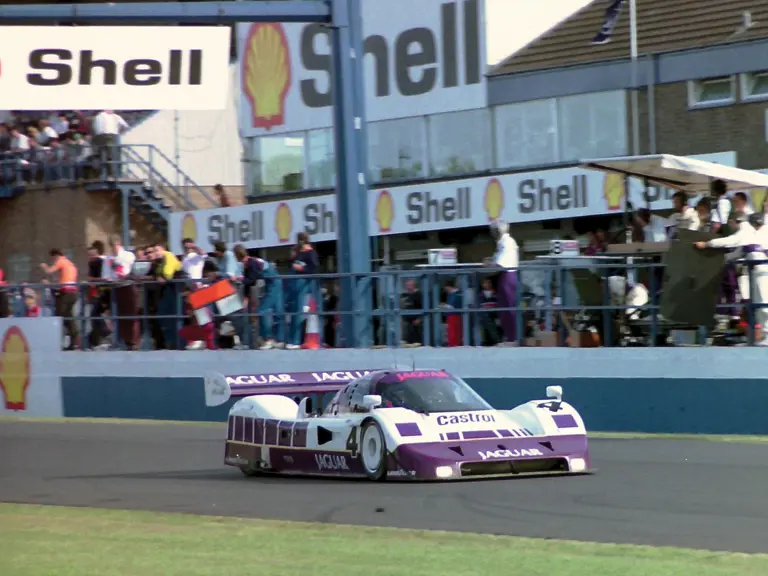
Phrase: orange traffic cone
pixel 312 334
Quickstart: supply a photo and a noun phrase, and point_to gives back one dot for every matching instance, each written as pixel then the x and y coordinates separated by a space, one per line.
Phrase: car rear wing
pixel 220 388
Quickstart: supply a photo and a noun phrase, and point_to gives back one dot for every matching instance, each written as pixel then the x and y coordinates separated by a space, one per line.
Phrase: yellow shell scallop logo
pixel 283 222
pixel 613 191
pixel 266 73
pixel 385 211
pixel 494 199
pixel 15 368
pixel 758 199
pixel 189 227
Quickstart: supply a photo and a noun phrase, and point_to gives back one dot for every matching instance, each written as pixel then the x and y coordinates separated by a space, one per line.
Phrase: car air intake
pixel 514 467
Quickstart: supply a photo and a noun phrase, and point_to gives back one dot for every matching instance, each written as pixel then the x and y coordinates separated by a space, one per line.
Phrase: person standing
pixel 65 293
pixel 305 263
pixel 507 257
pixel 126 297
pixel 106 129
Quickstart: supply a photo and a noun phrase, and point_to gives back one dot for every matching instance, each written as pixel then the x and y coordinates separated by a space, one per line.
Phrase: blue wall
pixel 699 403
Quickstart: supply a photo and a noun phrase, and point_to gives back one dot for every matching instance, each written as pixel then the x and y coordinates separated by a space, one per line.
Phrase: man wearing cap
pixel 751 239
pixel 507 257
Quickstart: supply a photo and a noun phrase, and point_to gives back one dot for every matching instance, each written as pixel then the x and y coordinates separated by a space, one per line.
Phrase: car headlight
pixel 578 464
pixel 443 471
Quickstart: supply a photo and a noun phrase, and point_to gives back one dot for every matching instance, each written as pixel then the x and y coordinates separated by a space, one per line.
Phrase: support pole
pixel 633 64
pixel 125 211
pixel 353 244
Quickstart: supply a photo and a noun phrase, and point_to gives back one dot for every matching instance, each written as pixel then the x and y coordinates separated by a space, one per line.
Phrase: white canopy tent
pixel 678 172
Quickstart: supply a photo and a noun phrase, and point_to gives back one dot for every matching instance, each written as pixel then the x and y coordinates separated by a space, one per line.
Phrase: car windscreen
pixel 431 394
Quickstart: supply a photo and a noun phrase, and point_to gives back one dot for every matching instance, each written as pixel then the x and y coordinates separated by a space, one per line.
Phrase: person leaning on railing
pixel 255 269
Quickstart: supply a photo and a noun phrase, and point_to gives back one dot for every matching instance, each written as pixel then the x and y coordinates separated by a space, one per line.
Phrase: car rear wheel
pixel 373 451
pixel 249 471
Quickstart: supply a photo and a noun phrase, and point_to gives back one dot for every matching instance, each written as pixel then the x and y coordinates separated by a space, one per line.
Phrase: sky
pixel 511 24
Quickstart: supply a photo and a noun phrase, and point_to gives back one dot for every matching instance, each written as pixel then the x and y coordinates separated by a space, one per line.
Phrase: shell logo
pixel 758 199
pixel 283 222
pixel 266 73
pixel 15 368
pixel 494 199
pixel 613 191
pixel 189 227
pixel 385 211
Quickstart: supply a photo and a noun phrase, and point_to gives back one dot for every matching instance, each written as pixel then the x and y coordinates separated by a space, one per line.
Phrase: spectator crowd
pixel 140 298
pixel 59 145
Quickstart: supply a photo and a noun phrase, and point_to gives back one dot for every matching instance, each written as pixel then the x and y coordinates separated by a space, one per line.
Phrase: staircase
pixel 151 193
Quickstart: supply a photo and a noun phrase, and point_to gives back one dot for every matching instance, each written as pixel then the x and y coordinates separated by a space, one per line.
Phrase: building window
pixel 460 142
pixel 397 149
pixel 277 163
pixel 711 92
pixel 321 167
pixel 592 125
pixel 754 86
pixel 526 134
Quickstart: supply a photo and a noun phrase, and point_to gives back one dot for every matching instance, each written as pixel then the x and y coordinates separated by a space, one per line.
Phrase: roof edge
pixel 627 59
pixel 537 38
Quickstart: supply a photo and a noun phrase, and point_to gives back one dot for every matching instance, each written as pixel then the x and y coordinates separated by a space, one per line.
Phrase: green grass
pixel 54 541
pixel 603 435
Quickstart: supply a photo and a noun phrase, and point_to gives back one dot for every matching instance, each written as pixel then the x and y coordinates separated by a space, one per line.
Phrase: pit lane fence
pixel 555 307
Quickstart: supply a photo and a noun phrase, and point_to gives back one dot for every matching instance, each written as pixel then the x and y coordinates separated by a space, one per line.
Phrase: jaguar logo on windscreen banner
pixel 115 68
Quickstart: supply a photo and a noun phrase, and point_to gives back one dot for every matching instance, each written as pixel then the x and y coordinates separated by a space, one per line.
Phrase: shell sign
pixel 385 211
pixel 189 227
pixel 15 369
pixel 613 191
pixel 494 199
pixel 283 222
pixel 266 73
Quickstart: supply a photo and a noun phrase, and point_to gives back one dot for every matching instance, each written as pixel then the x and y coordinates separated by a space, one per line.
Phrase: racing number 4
pixel 352 445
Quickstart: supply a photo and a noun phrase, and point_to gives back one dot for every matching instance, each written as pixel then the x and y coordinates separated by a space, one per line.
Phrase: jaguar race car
pixel 403 424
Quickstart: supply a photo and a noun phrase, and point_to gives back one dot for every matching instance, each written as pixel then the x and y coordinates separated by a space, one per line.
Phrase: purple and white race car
pixel 410 425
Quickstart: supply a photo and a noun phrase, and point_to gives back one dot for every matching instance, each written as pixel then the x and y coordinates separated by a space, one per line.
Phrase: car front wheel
pixel 373 451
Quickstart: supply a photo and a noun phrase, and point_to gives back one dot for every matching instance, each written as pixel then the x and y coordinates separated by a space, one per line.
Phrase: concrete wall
pixel 684 390
pixel 64 217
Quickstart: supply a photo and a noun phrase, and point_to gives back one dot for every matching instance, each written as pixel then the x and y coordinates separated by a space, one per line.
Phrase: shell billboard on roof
pixel 426 57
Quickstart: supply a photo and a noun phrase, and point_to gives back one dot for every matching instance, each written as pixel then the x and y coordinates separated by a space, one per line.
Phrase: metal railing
pixel 65 164
pixel 147 314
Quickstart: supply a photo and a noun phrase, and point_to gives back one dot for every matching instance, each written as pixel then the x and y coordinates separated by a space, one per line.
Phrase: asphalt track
pixel 689 493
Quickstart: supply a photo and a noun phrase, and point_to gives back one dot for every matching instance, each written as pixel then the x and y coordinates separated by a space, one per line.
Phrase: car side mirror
pixel 371 401
pixel 555 392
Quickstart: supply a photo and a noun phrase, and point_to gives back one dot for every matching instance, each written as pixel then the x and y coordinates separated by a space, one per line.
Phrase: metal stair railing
pixel 141 162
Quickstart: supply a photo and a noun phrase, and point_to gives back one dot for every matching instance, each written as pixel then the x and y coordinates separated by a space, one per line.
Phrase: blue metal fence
pixel 101 314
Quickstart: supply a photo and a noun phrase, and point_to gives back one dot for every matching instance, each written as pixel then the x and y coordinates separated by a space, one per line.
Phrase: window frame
pixel 694 85
pixel 744 79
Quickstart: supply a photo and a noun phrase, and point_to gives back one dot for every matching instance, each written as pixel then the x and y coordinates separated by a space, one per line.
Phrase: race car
pixel 392 424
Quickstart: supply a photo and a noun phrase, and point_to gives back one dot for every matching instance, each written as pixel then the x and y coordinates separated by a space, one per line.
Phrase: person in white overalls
pixel 751 243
